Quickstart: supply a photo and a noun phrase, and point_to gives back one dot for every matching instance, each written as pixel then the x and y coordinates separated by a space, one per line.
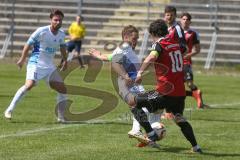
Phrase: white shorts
pixel 48 74
pixel 124 91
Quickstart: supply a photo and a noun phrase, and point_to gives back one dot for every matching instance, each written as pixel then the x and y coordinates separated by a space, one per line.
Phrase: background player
pixel 77 31
pixel 176 33
pixel 193 44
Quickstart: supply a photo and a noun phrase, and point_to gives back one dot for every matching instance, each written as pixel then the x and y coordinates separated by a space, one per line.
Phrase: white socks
pixel 61 101
pixel 154 120
pixel 136 126
pixel 18 96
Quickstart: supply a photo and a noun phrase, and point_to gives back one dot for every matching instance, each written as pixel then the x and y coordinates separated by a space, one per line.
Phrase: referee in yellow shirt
pixel 76 32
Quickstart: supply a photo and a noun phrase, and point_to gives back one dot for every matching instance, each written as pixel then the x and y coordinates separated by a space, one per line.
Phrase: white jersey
pixel 45 45
pixel 126 56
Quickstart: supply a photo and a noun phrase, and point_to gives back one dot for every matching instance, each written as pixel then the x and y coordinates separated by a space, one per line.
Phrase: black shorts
pixel 155 101
pixel 188 74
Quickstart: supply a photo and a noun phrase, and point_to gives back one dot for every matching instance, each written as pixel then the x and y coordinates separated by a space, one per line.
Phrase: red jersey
pixel 192 38
pixel 176 33
pixel 170 83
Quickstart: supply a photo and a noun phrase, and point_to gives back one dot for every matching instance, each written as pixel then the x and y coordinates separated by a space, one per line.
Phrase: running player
pixel 45 42
pixel 170 90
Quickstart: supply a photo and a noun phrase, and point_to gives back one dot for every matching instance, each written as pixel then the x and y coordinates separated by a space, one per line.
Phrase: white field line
pixel 39 130
pixel 63 126
pixel 217 105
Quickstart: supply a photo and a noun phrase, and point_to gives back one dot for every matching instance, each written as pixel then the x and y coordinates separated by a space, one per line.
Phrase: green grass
pixel 34 134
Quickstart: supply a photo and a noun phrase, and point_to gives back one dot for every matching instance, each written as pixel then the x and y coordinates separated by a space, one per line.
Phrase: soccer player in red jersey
pixel 193 44
pixel 175 31
pixel 170 89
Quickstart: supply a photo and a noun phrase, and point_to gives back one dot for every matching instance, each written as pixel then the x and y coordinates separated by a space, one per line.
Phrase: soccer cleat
pixel 150 144
pixel 197 94
pixel 8 114
pixel 139 136
pixel 61 120
pixel 199 151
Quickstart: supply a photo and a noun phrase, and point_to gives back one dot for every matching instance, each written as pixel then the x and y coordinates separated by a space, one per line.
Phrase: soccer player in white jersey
pixel 45 42
pixel 126 64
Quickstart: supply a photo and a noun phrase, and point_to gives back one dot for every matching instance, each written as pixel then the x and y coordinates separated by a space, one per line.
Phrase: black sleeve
pixel 156 47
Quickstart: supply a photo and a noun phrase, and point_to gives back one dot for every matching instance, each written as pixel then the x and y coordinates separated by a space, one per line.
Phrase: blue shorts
pixel 71 45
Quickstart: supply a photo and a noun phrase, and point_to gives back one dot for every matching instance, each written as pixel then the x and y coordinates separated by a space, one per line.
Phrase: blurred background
pixel 217 22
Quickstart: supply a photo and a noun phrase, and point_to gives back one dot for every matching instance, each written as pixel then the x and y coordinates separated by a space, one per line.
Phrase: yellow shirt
pixel 77 30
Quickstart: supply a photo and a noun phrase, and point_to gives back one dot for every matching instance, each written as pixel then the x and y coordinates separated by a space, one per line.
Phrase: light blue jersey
pixel 45 45
pixel 126 56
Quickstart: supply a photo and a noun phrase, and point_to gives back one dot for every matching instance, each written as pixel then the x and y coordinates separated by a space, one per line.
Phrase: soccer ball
pixel 160 130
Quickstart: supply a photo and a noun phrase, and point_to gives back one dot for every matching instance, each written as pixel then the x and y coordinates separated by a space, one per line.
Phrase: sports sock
pixel 142 118
pixel 189 93
pixel 154 119
pixel 17 97
pixel 61 101
pixel 136 125
pixel 187 131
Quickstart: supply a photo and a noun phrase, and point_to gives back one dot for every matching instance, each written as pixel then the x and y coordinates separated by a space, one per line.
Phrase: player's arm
pixel 33 39
pixel 196 49
pixel 118 68
pixel 196 46
pixel 97 54
pixel 64 58
pixel 148 60
pixel 24 55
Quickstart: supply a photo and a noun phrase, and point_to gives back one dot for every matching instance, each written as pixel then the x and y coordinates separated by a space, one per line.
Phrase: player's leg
pixel 194 91
pixel 78 45
pixel 56 83
pixel 153 102
pixel 176 105
pixel 31 79
pixel 128 97
pixel 70 46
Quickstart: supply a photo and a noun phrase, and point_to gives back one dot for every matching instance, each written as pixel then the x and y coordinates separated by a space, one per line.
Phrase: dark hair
pixel 170 9
pixel 81 17
pixel 128 30
pixel 55 12
pixel 158 28
pixel 189 17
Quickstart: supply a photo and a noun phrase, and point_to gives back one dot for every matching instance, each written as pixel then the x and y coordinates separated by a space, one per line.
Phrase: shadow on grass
pixel 186 151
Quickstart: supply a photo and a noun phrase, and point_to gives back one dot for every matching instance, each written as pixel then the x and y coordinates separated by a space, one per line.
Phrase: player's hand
pixel 128 80
pixel 93 52
pixel 20 63
pixel 187 56
pixel 63 65
pixel 138 78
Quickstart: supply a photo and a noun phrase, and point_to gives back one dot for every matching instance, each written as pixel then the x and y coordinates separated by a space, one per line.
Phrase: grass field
pixel 33 133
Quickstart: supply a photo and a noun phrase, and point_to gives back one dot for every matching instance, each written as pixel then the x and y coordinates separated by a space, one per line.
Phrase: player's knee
pixel 192 86
pixel 178 118
pixel 29 85
pixel 141 101
pixel 59 87
pixel 129 99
